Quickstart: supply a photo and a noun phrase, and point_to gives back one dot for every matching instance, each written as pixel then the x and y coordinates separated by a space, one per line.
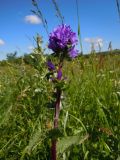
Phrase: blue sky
pixel 98 18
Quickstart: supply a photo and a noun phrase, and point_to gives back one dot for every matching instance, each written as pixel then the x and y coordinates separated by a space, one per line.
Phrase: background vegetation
pixel 89 124
pixel 89 120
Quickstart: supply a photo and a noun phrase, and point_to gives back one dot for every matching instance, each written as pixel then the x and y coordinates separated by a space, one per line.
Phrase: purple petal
pixel 59 74
pixel 50 65
pixel 73 52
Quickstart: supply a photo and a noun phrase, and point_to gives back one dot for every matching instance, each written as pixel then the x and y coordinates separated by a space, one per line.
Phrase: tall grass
pixel 37 11
pixel 79 29
pixel 59 15
pixel 118 7
pixel 91 107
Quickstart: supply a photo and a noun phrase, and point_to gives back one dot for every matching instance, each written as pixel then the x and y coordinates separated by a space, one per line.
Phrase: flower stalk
pixel 56 115
pixel 62 41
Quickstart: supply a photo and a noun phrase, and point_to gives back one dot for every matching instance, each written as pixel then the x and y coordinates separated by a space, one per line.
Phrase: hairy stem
pixel 56 118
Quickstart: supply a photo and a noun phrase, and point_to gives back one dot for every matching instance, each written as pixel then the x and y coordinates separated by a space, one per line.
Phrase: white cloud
pixel 99 41
pixel 30 48
pixel 87 40
pixel 1 42
pixel 32 19
pixel 95 41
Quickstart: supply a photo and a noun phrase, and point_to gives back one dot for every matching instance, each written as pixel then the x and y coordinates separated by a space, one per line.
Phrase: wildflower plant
pixel 62 41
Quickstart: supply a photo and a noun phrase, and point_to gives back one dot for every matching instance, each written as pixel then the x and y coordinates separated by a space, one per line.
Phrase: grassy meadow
pixel 89 123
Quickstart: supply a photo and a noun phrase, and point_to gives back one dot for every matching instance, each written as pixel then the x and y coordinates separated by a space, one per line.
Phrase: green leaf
pixel 66 142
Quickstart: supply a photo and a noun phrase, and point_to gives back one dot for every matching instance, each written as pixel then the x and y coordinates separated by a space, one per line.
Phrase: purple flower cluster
pixel 63 39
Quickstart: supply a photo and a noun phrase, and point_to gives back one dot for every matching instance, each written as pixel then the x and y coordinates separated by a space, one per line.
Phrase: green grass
pixel 89 124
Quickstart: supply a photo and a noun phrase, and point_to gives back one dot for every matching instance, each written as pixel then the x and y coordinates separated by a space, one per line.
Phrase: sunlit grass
pixel 91 106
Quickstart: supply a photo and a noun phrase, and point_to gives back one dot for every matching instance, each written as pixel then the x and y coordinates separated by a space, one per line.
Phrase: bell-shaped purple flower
pixel 59 74
pixel 50 65
pixel 62 39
